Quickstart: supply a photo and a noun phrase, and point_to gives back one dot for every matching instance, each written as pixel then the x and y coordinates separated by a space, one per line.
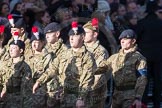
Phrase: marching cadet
pixel 2 49
pixel 74 70
pixel 54 42
pixel 19 26
pixel 2 53
pixel 38 59
pixel 129 70
pixel 16 74
pixel 56 47
pixel 98 95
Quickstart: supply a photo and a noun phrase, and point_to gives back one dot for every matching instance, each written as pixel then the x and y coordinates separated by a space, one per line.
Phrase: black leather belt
pixel 123 88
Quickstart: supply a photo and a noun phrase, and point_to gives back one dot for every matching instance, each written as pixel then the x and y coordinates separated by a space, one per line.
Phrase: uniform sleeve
pixel 141 78
pixel 87 77
pixel 6 55
pixel 104 66
pixel 47 60
pixel 27 72
pixel 50 72
pixel 26 86
pixel 6 74
pixel 102 56
pixel 4 81
pixel 2 52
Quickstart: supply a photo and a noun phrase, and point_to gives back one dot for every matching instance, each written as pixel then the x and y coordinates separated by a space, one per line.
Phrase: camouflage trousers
pixel 69 101
pixel 123 99
pixel 97 97
pixel 54 91
pixel 39 98
pixel 13 100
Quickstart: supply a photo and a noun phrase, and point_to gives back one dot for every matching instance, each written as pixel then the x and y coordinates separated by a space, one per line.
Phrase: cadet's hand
pixel 36 85
pixel 137 103
pixel 80 104
pixel 3 93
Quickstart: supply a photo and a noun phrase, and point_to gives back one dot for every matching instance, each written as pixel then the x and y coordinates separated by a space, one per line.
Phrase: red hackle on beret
pixel 10 16
pixel 95 22
pixel 16 34
pixel 34 29
pixel 74 25
pixel 2 28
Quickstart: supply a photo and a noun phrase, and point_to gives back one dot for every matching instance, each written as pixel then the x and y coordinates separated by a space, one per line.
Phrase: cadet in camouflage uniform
pixel 2 48
pixel 54 44
pixel 129 72
pixel 2 52
pixel 55 47
pixel 15 75
pixel 75 72
pixel 38 60
pixel 19 27
pixel 98 95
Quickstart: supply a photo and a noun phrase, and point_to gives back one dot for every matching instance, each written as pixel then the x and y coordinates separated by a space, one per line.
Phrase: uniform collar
pixel 92 48
pixel 55 46
pixel 133 49
pixel 10 61
pixel 42 54
pixel 80 52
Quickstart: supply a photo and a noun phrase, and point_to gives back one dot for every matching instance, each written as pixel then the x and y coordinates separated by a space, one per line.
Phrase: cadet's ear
pixel 57 34
pixel 95 34
pixel 83 36
pixel 21 51
pixel 133 41
pixel 22 29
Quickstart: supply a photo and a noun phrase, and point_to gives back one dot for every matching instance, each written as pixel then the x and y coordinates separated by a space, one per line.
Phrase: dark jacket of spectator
pixel 150 37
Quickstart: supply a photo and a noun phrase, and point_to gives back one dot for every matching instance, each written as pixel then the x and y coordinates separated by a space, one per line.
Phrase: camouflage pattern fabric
pixel 98 95
pixel 75 72
pixel 53 85
pixel 6 55
pixel 39 64
pixel 15 80
pixel 129 83
pixel 2 52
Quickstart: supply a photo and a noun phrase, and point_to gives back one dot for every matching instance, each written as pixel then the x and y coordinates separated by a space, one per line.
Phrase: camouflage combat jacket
pixel 129 71
pixel 100 83
pixel 56 49
pixel 38 63
pixel 2 54
pixel 75 72
pixel 15 80
pixel 15 75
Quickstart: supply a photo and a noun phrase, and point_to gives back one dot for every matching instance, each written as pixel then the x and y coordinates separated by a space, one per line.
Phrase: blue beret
pixel 52 27
pixel 129 33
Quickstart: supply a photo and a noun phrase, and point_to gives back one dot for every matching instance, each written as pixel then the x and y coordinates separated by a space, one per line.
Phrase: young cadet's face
pixel 13 30
pixel 51 37
pixel 14 51
pixel 127 43
pixel 37 45
pixel 76 41
pixel 88 36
